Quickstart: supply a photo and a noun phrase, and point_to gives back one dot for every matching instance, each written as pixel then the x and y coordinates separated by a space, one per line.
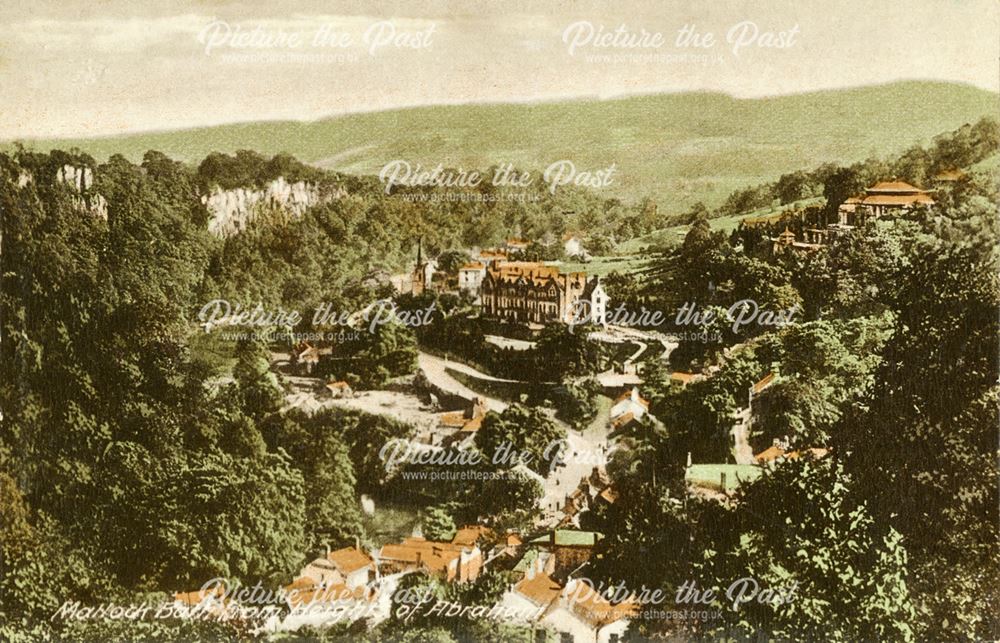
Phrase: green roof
pixel 569 537
pixel 526 560
pixel 724 477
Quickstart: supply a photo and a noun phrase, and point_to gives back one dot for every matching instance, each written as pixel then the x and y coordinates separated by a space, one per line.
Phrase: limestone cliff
pixel 231 210
pixel 81 179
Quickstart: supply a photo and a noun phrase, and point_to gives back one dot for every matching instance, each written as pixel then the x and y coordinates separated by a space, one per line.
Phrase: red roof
pixel 540 590
pixel 622 420
pixel 919 198
pixel 628 394
pixel 765 382
pixel 469 535
pixel 435 556
pixel 349 560
pixel 894 187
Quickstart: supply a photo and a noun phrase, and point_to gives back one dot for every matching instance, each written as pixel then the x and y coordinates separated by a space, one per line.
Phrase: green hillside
pixel 679 148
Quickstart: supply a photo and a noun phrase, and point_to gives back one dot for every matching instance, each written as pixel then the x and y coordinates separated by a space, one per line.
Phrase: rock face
pixel 81 179
pixel 231 210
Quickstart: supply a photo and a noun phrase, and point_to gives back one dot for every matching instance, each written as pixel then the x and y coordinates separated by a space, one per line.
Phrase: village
pixel 545 568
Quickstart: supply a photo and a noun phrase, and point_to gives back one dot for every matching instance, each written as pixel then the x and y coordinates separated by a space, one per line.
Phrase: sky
pixel 103 67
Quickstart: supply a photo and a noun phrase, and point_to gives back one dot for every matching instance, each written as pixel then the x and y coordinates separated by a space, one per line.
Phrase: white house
pixel 470 277
pixel 573 246
pixel 598 298
pixel 575 610
pixel 348 566
pixel 629 403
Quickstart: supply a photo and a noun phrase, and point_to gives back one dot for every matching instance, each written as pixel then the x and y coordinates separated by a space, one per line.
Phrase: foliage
pixel 438 524
pixel 797 531
pixel 525 434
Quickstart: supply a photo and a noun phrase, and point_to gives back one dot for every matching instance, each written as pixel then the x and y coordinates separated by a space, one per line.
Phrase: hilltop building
pixel 786 241
pixel 885 198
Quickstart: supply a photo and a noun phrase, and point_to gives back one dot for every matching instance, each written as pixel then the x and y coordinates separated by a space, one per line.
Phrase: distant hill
pixel 678 148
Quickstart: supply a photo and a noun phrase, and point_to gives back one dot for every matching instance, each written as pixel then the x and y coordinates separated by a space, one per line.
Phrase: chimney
pixel 357 543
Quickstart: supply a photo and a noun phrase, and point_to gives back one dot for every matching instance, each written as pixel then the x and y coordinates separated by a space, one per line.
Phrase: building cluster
pixel 722 480
pixel 594 493
pixel 545 574
pixel 529 292
pixel 551 587
pixel 884 199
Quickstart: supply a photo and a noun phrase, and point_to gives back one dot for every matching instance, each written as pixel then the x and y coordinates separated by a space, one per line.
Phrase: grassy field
pixel 678 148
pixel 675 234
pixel 601 266
pixel 990 165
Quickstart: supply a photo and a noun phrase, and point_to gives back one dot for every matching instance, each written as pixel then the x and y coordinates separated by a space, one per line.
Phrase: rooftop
pixel 349 560
pixel 569 538
pixel 540 590
pixel 725 477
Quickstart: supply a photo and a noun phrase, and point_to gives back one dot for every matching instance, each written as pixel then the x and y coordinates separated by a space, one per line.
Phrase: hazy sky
pixel 71 68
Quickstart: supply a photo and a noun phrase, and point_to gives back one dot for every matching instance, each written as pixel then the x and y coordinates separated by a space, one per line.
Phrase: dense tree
pixel 798 532
pixel 936 386
pixel 520 435
pixel 438 524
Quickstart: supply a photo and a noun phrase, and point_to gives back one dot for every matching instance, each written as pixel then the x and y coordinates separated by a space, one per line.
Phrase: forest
pixel 130 469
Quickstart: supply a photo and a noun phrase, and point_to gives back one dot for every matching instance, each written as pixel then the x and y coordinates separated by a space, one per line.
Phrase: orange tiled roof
pixel 459 420
pixel 474 424
pixel 623 419
pixel 894 187
pixel 627 394
pixel 610 495
pixel 473 265
pixel 338 385
pixel 468 536
pixel 436 556
pixel 772 453
pixel 769 454
pixel 684 378
pixel 195 598
pixel 349 560
pixel 540 590
pixel 898 199
pixel 455 419
pixel 764 382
